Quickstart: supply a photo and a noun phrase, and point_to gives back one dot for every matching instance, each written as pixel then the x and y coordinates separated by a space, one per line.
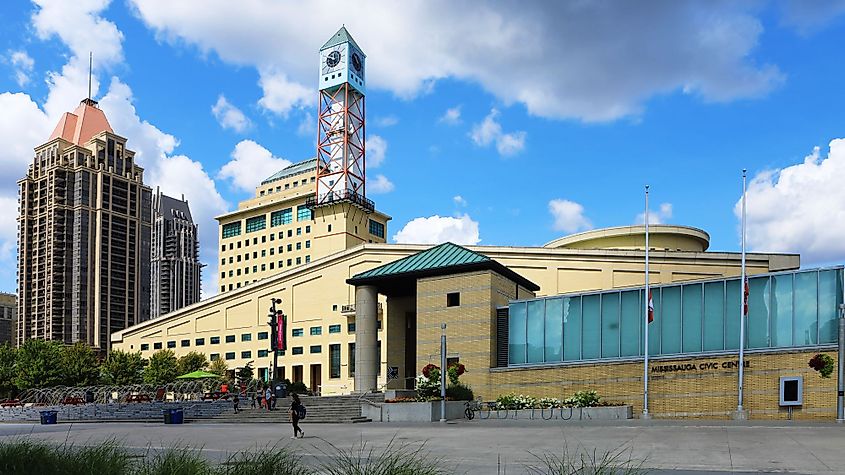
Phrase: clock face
pixel 356 62
pixel 333 59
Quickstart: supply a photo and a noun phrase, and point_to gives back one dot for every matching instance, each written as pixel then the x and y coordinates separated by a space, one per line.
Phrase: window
pixel 230 338
pixel 351 365
pixel 254 269
pixel 316 331
pixel 263 335
pixel 350 327
pixel 199 342
pixel 307 244
pixel 262 353
pixel 334 361
pixel 290 232
pixel 246 270
pixel 272 237
pixel 230 259
pixel 297 332
pixel 290 262
pixel 290 247
pixel 215 340
pixel 256 223
pixel 231 229
pixel 453 299
pixel 145 346
pixel 171 344
pixel 277 218
pixel 303 213
pixel 157 346
pixel 230 355
pixel 298 260
pixel 185 343
pixel 296 350
pixel 307 259
pixel 307 229
pixel 222 288
pixel 315 349
pixel 334 328
pixel 263 239
pixel 246 337
pixel 299 231
pixel 330 228
pixel 376 228
pixel 214 356
pixel 298 246
pixel 263 267
pixel 223 261
pixel 246 354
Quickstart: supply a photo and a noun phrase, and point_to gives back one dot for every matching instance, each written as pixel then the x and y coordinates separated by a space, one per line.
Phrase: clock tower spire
pixel 341 124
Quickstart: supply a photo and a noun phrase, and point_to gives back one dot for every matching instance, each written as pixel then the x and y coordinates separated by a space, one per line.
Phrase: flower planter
pixel 564 414
pixel 412 411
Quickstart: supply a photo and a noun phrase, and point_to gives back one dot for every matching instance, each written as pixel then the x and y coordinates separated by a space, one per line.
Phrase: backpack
pixel 300 411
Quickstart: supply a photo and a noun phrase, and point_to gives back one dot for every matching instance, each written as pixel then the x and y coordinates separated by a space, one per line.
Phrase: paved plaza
pixel 500 446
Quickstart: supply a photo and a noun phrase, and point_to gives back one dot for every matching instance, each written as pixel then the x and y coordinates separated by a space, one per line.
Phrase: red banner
pixel 281 320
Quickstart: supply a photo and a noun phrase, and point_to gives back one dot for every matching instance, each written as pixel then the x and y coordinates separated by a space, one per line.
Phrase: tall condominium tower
pixel 174 256
pixel 8 309
pixel 84 235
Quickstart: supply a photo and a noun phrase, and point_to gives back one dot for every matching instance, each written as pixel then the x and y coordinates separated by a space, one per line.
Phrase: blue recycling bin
pixel 48 417
pixel 174 416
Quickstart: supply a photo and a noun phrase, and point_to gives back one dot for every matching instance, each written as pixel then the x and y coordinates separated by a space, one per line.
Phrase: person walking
pixel 296 408
pixel 236 403
pixel 268 396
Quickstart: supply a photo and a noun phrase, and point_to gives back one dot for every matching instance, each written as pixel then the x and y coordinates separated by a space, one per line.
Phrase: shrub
pixel 582 399
pixel 617 461
pixel 297 387
pixel 823 364
pixel 271 460
pixel 459 392
pixel 513 401
pixel 398 459
pixel 454 371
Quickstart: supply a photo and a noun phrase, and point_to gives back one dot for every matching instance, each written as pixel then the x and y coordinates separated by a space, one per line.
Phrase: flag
pixel 281 341
pixel 745 298
pixel 650 307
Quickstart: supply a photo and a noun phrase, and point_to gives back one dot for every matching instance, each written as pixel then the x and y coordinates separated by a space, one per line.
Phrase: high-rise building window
pixel 307 259
pixel 297 332
pixel 334 328
pixel 316 331
pixel 215 340
pixel 199 342
pixel 299 231
pixel 214 356
pixel 171 344
pixel 256 223
pixel 315 349
pixel 231 229
pixel 307 229
pixel 296 350
pixel 308 244
pixel 303 213
pixel 263 335
pixel 185 343
pixel 230 355
pixel 145 346
pixel 246 355
pixel 246 337
pixel 230 338
pixel 157 346
pixel 284 216
pixel 376 228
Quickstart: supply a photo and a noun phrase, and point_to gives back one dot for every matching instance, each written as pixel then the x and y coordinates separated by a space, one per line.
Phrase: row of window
pixel 287 186
pixel 291 247
pixel 334 357
pixel 281 235
pixel 277 218
pixel 215 340
pixel 237 272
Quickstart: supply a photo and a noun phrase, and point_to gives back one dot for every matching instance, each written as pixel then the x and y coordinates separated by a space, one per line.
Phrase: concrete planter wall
pixel 412 411
pixel 565 414
pixel 117 412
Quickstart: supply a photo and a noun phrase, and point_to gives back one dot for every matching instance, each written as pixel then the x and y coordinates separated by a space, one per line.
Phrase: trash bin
pixel 89 397
pixel 281 390
pixel 48 417
pixel 173 416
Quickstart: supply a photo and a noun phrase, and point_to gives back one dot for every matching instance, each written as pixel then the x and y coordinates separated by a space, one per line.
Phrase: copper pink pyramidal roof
pixel 80 125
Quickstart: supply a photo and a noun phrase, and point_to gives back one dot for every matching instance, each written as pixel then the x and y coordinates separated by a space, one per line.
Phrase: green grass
pixel 394 459
pixel 584 462
pixel 177 460
pixel 272 460
pixel 30 456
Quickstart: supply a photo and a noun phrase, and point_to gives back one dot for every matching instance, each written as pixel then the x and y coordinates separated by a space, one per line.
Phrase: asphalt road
pixel 499 446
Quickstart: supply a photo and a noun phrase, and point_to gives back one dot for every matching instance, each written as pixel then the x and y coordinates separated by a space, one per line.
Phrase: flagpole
pixel 645 316
pixel 740 413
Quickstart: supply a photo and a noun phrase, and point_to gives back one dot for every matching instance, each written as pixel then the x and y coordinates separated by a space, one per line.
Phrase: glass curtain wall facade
pixel 785 310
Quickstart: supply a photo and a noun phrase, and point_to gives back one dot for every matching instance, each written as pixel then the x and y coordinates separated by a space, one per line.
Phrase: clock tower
pixel 341 170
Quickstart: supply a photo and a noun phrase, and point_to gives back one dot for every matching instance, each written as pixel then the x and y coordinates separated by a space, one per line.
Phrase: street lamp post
pixel 273 320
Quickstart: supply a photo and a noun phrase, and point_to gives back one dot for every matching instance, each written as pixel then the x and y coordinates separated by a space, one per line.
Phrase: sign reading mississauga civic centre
pixel 698 366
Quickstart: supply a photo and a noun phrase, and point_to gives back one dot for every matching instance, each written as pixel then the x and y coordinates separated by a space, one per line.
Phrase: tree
pixel 122 368
pixel 7 369
pixel 79 365
pixel 191 362
pixel 39 364
pixel 245 374
pixel 163 368
pixel 218 367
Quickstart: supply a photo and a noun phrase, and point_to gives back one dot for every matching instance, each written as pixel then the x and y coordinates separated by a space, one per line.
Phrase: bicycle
pixel 471 408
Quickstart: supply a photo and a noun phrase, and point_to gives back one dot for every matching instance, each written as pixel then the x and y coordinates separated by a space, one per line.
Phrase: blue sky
pixel 487 124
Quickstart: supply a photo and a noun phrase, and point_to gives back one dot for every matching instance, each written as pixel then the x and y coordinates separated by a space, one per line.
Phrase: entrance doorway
pixel 410 349
pixel 316 374
pixel 297 373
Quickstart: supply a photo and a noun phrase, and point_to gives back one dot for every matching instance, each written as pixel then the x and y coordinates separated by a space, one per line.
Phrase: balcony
pixel 349 310
pixel 365 204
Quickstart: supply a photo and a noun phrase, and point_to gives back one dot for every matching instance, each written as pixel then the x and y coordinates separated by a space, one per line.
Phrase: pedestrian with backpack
pixel 297 412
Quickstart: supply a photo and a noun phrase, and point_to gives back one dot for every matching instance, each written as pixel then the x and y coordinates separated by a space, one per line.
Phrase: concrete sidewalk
pixel 502 446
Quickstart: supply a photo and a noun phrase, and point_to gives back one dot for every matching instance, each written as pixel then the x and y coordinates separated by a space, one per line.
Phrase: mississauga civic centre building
pixel 365 315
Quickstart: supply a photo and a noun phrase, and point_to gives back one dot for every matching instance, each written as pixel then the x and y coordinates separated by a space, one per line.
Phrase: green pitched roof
pixel 435 261
pixel 342 36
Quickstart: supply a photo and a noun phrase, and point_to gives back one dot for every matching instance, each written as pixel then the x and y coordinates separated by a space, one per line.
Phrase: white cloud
pixel 800 208
pixel 307 126
pixel 251 163
pixel 438 229
pixel 380 185
pixel 376 148
pixel 452 116
pixel 490 131
pixel 229 116
pixel 625 55
pixel 569 216
pixel 23 66
pixel 459 200
pixel 386 121
pixel 22 126
pixel 282 95
pixel 8 230
pixel 660 216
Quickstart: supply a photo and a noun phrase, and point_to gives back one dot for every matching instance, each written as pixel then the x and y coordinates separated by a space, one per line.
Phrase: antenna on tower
pixel 90 71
